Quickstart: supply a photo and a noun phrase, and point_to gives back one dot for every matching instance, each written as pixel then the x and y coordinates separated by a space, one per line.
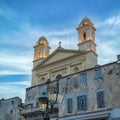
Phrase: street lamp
pixel 52 94
pixel 46 102
pixel 43 103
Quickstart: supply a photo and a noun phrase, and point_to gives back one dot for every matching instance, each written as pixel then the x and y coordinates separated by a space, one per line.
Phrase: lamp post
pixel 46 102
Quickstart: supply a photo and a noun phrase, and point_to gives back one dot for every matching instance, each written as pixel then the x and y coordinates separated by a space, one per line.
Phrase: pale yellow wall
pixel 66 66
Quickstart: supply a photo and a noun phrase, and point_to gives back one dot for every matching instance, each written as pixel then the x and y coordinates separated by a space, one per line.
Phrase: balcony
pixel 30 111
pixel 35 111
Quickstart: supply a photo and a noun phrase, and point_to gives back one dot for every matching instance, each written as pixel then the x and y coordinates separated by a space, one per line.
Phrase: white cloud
pixel 27 83
pixel 13 89
pixel 13 72
pixel 15 64
pixel 9 91
pixel 114 20
pixel 26 37
pixel 108 39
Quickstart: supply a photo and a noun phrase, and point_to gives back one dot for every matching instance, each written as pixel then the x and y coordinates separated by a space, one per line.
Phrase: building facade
pixel 10 109
pixel 87 91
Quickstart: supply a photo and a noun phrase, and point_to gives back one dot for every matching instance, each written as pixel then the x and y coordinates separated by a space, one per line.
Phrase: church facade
pixel 89 91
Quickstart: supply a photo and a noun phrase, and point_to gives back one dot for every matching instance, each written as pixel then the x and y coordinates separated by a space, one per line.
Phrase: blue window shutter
pixel 78 103
pixel 70 105
pixel 42 90
pixel 100 99
pixel 83 78
pixel 82 102
pixel 68 81
pixel 97 74
pixel 85 102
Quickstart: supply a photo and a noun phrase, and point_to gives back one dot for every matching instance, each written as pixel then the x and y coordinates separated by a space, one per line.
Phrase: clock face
pixel 84 46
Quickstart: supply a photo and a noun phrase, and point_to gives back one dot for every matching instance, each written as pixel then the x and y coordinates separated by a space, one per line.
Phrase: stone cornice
pixel 86 42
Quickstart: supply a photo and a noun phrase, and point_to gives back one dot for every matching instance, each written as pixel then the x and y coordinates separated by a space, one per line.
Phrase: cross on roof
pixel 60 44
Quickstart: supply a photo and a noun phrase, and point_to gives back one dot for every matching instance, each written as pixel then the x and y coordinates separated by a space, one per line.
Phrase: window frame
pixel 69 105
pixel 42 90
pixel 100 99
pixel 82 102
pixel 83 78
pixel 69 81
pixel 98 73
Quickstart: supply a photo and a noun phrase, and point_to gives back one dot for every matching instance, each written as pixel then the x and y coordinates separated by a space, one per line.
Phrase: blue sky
pixel 22 22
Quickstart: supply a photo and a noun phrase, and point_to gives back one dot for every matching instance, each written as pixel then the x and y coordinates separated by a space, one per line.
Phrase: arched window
pixel 76 69
pixel 38 54
pixel 42 79
pixel 58 77
pixel 84 35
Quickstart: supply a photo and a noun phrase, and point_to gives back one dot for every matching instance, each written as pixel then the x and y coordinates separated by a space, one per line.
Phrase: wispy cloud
pixel 10 91
pixel 15 64
pixel 25 83
pixel 14 85
pixel 20 35
pixel 108 39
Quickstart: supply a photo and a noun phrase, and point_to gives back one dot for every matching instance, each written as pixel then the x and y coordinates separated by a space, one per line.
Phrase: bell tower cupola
pixel 41 49
pixel 86 35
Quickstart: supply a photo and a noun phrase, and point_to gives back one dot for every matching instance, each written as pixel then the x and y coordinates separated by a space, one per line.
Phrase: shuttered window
pixel 42 90
pixel 83 78
pixel 97 74
pixel 100 99
pixel 70 105
pixel 82 102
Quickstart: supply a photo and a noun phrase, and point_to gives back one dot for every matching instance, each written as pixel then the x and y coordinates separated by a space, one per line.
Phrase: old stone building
pixel 87 91
pixel 10 109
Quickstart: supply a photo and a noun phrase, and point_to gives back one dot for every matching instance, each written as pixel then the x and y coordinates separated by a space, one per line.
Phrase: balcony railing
pixel 36 111
pixel 27 111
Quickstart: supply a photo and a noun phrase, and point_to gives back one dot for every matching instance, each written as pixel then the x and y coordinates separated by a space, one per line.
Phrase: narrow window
pixel 42 90
pixel 12 102
pixel 38 53
pixel 68 81
pixel 100 99
pixel 11 112
pixel 78 103
pixel 83 78
pixel 70 105
pixel 84 35
pixel 97 74
pixel 82 102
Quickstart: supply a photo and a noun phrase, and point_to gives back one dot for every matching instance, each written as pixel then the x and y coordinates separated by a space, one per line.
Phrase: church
pixel 88 91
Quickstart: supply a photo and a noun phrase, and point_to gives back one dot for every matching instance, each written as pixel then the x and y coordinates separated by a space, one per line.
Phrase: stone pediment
pixel 57 55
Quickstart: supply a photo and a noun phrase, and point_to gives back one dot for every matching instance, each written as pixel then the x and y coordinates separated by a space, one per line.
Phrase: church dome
pixel 42 41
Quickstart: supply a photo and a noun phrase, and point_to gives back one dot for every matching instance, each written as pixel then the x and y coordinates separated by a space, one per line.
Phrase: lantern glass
pixel 43 103
pixel 42 106
pixel 52 94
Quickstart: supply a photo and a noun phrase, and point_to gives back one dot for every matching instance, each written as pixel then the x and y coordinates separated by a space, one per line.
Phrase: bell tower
pixel 86 35
pixel 41 50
